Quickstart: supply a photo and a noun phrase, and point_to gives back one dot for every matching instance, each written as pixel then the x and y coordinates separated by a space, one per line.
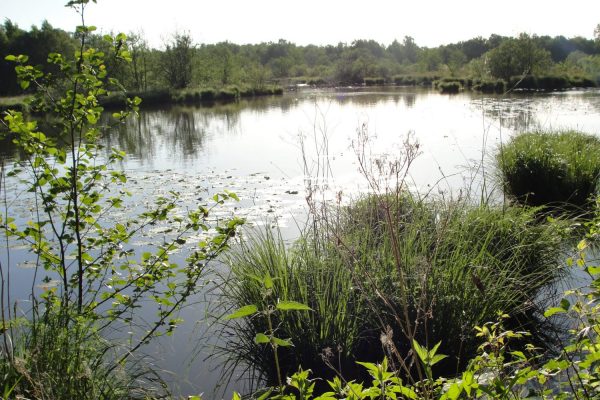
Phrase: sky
pixel 320 22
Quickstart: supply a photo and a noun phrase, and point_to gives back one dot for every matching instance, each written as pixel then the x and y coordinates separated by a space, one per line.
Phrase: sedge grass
pixel 57 356
pixel 460 265
pixel 555 169
pixel 301 273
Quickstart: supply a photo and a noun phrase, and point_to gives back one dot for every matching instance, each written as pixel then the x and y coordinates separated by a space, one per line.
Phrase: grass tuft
pixel 559 169
pixel 459 265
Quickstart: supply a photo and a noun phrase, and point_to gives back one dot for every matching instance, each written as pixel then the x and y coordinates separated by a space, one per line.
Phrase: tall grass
pixel 315 277
pixel 460 265
pixel 558 169
pixel 48 361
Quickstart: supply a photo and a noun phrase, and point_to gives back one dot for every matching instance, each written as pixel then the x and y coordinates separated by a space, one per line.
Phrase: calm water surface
pixel 254 149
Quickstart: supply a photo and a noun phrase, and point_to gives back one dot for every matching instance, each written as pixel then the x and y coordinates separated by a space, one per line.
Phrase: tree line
pixel 182 63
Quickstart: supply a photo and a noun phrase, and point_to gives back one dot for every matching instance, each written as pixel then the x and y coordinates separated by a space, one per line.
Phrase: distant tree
pixel 411 50
pixel 139 51
pixel 223 57
pixel 473 48
pixel 597 33
pixel 177 61
pixel 453 58
pixel 430 59
pixel 406 52
pixel 520 56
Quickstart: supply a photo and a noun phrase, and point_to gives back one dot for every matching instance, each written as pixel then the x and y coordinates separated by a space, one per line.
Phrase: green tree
pixel 516 57
pixel 177 61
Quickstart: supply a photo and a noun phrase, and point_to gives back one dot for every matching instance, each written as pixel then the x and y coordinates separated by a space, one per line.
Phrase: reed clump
pixel 392 269
pixel 451 87
pixel 555 169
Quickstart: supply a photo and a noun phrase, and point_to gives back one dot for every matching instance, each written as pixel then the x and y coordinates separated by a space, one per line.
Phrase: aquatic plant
pixel 449 87
pixel 460 265
pixel 556 169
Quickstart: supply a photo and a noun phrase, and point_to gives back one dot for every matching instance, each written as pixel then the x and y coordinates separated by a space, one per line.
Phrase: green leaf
pixel 408 392
pixel 268 282
pixel 243 312
pixel 261 338
pixel 436 359
pixel 281 342
pixel 421 351
pixel 291 305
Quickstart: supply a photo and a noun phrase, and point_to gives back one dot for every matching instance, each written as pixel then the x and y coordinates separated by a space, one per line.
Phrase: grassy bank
pixel 393 269
pixel 191 96
pixel 556 169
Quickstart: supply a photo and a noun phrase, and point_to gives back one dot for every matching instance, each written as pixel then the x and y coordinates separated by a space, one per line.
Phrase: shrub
pixel 449 87
pixel 557 169
pixel 581 82
pixel 208 94
pixel 553 82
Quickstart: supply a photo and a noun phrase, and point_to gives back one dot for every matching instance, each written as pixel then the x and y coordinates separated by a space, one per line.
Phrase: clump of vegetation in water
pixel 497 371
pixel 489 86
pixel 396 269
pixel 451 87
pixel 556 169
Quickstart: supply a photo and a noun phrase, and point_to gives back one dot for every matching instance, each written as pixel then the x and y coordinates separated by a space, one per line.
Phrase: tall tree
pixel 177 60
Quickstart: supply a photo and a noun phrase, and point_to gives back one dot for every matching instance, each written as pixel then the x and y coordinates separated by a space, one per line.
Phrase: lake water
pixel 266 149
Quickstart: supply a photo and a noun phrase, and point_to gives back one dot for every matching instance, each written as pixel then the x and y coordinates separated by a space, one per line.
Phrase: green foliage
pixel 518 57
pixel 498 371
pixel 461 265
pixel 177 61
pixel 557 169
pixel 297 274
pixel 267 311
pixel 73 240
pixel 449 87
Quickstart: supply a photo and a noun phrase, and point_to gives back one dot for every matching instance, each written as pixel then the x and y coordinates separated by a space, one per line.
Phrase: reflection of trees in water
pixel 373 98
pixel 533 111
pixel 515 113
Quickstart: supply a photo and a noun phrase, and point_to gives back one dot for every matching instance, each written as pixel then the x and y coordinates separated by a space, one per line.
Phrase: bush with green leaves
pixel 73 238
pixel 556 169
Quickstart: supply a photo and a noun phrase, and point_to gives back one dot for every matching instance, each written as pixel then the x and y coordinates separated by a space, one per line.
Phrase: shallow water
pixel 255 149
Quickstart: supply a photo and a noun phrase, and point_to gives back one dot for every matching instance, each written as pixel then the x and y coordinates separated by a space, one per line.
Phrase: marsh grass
pixel 376 81
pixel 47 361
pixel 315 277
pixel 555 169
pixel 461 264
